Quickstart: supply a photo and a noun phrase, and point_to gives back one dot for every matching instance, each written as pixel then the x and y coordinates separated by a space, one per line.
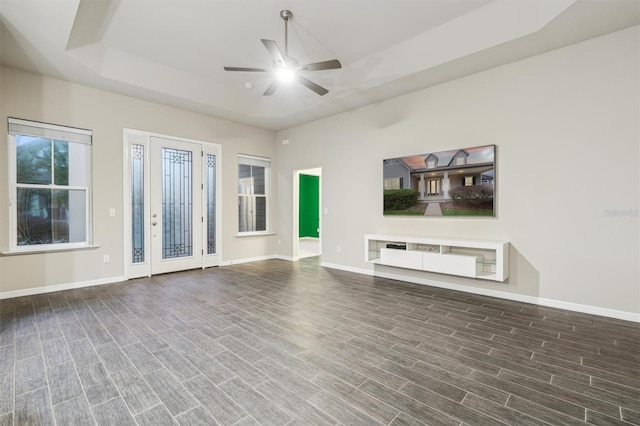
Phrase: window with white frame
pixel 253 194
pixel 393 183
pixel 50 185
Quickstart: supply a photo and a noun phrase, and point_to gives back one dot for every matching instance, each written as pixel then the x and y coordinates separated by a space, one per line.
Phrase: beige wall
pixel 566 126
pixel 33 97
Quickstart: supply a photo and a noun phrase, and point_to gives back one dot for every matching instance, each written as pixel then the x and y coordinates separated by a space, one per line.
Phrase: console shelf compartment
pixel 482 259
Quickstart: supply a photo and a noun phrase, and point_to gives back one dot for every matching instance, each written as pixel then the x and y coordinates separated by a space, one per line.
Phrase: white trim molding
pixel 252 259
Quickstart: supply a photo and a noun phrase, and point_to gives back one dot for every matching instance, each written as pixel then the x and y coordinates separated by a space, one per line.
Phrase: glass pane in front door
pixel 433 187
pixel 177 203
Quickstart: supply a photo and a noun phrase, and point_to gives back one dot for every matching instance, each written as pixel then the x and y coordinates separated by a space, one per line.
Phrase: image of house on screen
pixel 435 174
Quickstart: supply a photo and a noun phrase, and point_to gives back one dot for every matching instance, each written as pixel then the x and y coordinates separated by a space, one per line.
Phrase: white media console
pixel 483 259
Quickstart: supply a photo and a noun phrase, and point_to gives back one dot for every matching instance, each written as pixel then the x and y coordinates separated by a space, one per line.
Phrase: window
pixel 253 194
pixel 50 185
pixel 461 160
pixel 393 183
pixel 469 180
pixel 431 161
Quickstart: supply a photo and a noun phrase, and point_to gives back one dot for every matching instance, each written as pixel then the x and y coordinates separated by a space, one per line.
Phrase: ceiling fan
pixel 285 67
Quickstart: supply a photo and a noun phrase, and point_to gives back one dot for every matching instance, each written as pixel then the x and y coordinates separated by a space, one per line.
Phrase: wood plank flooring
pixel 282 343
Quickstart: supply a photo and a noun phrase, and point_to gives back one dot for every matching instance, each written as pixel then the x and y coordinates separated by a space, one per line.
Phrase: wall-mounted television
pixel 457 182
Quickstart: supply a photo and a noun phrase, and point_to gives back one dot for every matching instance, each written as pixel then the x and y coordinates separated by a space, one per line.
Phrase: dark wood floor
pixel 281 343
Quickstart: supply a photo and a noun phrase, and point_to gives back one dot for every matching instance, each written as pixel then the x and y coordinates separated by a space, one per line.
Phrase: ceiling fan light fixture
pixel 285 74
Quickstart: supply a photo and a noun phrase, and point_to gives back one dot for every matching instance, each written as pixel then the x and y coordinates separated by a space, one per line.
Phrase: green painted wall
pixel 309 214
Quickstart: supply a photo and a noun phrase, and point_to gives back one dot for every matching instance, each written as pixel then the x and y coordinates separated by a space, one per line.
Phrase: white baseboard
pixel 281 257
pixel 59 287
pixel 254 259
pixel 551 303
pixel 347 268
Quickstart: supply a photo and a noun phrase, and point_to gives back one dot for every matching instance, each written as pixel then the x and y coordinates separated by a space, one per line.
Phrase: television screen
pixel 458 182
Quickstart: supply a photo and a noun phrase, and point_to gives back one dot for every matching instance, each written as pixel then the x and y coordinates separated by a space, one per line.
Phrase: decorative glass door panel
pixel 211 203
pixel 176 200
pixel 177 203
pixel 138 222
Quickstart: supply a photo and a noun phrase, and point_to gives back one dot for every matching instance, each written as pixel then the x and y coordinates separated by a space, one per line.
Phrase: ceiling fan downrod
pixel 286 15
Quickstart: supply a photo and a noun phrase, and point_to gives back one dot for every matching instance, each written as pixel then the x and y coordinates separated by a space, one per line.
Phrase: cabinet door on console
pixel 401 258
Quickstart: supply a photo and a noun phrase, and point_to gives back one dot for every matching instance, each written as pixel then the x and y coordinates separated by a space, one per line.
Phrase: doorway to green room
pixel 307 232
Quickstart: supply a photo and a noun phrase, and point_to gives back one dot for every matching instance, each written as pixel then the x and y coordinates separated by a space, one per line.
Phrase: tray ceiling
pixel 173 51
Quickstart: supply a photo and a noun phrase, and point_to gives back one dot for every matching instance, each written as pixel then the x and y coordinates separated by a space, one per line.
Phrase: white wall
pixel 566 126
pixel 33 97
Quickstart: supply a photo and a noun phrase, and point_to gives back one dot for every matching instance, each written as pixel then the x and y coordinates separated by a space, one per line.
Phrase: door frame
pixel 438 184
pixel 316 171
pixel 140 137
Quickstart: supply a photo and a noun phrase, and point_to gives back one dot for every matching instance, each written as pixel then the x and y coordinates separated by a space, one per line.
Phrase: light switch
pixel 112 212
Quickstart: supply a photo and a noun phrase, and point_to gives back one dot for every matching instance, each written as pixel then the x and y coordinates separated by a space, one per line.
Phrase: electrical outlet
pixel 338 249
pixel 106 258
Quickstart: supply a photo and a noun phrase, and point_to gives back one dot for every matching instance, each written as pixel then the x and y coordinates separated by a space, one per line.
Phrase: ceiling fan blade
pixel 324 65
pixel 271 89
pixel 246 69
pixel 275 53
pixel 313 86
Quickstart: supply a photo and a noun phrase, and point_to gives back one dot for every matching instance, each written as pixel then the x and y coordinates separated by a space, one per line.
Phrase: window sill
pixel 254 234
pixel 39 250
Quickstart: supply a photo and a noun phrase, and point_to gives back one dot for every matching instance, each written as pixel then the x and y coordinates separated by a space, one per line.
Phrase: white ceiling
pixel 173 51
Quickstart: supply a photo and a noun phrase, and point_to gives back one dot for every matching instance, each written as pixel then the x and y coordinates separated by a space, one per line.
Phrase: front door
pixel 176 197
pixel 433 187
pixel 174 216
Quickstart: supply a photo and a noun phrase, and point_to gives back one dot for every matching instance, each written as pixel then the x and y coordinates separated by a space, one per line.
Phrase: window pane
pixel 61 162
pixel 47 216
pixel 211 204
pixel 261 214
pixel 244 179
pixel 34 216
pixel 137 204
pixel 258 174
pixel 245 214
pixel 33 160
pixel 76 158
pixel 69 216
